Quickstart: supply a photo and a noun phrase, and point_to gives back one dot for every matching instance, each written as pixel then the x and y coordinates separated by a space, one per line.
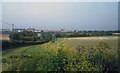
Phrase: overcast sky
pixel 61 15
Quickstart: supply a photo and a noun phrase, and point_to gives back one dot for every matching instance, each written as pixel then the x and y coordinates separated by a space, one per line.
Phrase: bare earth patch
pixel 4 37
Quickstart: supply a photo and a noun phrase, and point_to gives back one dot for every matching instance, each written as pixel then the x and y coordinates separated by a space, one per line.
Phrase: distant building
pixel 18 30
pixel 28 29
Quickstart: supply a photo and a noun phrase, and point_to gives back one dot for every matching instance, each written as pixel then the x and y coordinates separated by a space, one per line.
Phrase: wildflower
pixel 64 59
pixel 58 67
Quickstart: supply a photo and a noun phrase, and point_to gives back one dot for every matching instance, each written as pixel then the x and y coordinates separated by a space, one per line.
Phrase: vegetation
pixel 25 38
pixel 68 54
pixel 32 38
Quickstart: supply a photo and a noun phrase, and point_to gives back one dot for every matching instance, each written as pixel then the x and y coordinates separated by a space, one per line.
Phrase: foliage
pixel 24 36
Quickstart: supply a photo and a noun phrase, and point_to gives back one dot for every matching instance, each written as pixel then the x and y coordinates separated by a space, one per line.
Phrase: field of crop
pixel 66 54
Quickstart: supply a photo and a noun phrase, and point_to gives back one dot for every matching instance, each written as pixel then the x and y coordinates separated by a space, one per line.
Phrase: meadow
pixel 65 54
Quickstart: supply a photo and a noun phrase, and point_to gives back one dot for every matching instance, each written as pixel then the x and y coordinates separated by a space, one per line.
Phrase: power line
pixel 5 22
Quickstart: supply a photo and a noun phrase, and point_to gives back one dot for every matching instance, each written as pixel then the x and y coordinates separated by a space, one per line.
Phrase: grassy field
pixel 66 54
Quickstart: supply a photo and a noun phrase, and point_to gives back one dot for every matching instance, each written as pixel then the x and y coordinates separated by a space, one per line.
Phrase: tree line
pixel 31 38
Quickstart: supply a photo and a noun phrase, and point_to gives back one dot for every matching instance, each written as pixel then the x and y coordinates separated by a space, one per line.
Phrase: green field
pixel 66 54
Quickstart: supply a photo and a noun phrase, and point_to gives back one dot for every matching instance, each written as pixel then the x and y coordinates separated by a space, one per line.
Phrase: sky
pixel 61 15
pixel 60 0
